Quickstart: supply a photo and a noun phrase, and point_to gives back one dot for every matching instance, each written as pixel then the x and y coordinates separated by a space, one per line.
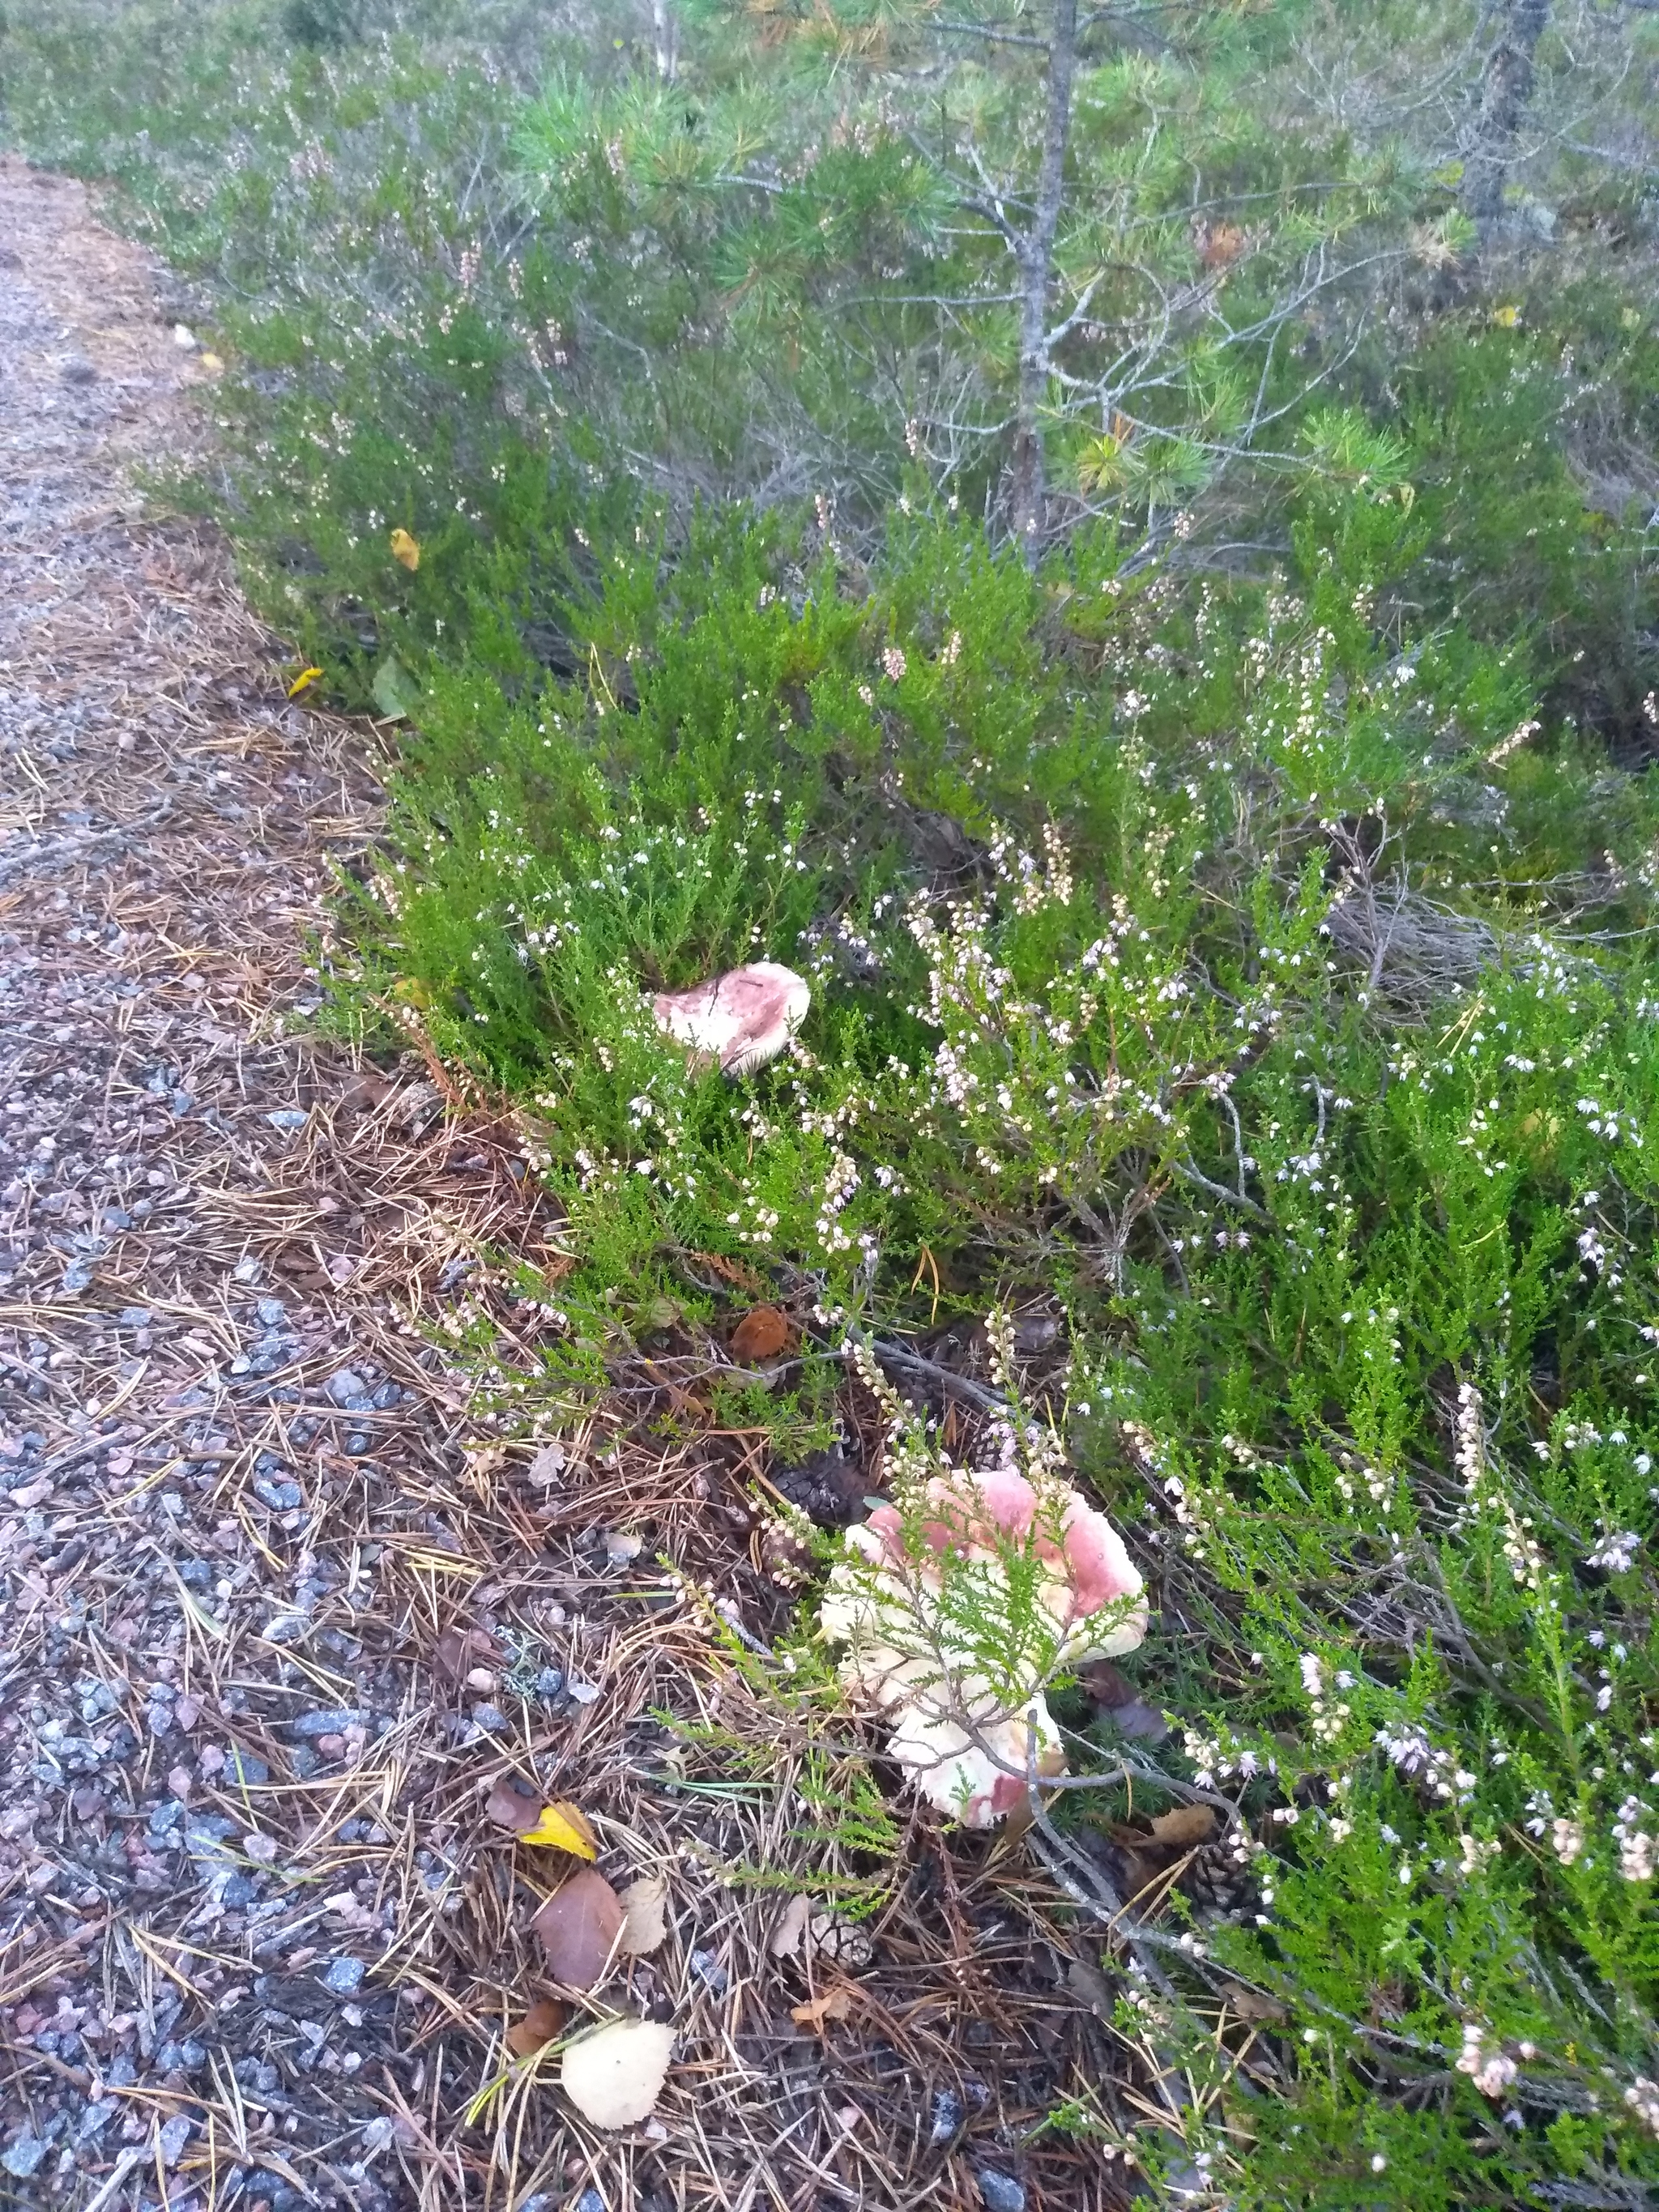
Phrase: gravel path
pixel 214 1407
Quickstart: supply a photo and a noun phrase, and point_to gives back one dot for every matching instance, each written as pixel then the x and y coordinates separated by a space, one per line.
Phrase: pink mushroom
pixel 741 1019
pixel 965 1749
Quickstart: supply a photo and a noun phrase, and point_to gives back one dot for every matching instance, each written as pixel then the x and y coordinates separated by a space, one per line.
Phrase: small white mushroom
pixel 741 1019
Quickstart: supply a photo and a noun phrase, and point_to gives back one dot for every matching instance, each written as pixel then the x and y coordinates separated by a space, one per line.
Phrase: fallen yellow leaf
pixel 406 550
pixel 1507 317
pixel 564 1828
pixel 211 362
pixel 303 682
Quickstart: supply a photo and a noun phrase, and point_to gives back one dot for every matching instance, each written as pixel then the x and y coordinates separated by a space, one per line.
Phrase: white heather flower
pixel 1491 2071
pixel 1476 1851
pixel 893 663
pixel 1566 1840
pixel 1642 2099
pixel 1636 1857
pixel 1615 1551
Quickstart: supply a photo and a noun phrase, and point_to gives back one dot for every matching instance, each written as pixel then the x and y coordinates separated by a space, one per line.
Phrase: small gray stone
pixel 709 1971
pixel 550 1684
pixel 288 1117
pixel 344 1977
pixel 999 2192
pixel 357 1445
pixel 174 2134
pixel 490 1718
pixel 23 2155
pixel 332 1720
pixel 272 1312
pixel 584 1694
pixel 948 2117
pixel 280 1497
pixel 243 1767
pixel 343 1385
pixel 238 1893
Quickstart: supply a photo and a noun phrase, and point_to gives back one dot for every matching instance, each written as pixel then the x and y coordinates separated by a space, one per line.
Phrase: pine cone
pixel 1220 1880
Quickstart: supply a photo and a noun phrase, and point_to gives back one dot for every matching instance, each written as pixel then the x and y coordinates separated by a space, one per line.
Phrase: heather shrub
pixel 1228 922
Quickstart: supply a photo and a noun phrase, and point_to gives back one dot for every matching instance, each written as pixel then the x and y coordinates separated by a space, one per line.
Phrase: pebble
pixel 708 1971
pixel 272 1312
pixel 331 1720
pixel 583 1693
pixel 999 2192
pixel 238 1891
pixel 343 1385
pixel 948 2117
pixel 243 1767
pixel 344 1977
pixel 22 2156
pixel 288 1117
pixel 550 1684
pixel 173 2135
pixel 490 1718
pixel 280 1497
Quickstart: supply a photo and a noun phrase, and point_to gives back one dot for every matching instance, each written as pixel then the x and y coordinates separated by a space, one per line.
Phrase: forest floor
pixel 279 1611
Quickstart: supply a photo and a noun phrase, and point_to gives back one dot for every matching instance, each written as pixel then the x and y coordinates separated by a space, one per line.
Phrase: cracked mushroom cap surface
pixel 741 1019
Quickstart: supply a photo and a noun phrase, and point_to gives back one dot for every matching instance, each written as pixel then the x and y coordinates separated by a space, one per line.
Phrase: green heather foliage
pixel 1234 928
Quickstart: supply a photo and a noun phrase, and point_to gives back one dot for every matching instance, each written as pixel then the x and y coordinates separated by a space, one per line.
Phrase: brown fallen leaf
pixel 784 1941
pixel 578 1928
pixel 1116 1699
pixel 1252 2004
pixel 834 2004
pixel 1086 1981
pixel 1185 1826
pixel 763 1334
pixel 539 2025
pixel 615 2077
pixel 513 1807
pixel 645 1918
pixel 459 1650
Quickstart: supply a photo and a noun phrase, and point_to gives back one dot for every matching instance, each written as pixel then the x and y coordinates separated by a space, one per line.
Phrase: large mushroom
pixel 968 1747
pixel 741 1019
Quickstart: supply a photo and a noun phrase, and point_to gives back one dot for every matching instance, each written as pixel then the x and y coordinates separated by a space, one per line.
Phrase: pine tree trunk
pixel 666 38
pixel 1505 95
pixel 1036 266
